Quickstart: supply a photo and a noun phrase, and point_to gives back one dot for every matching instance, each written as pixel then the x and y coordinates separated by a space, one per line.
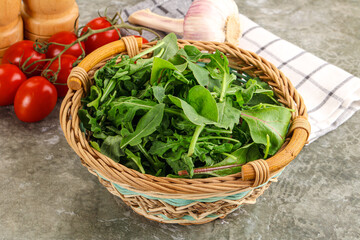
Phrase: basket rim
pixel 158 186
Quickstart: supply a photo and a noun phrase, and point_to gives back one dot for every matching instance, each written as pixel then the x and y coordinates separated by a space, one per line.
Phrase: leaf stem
pixel 173 111
pixel 194 139
pixel 267 146
pixel 218 130
pixel 149 50
pixel 223 89
pixel 146 154
pixel 218 137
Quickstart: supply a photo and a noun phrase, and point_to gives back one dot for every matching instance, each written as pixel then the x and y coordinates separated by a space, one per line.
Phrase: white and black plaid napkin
pixel 331 94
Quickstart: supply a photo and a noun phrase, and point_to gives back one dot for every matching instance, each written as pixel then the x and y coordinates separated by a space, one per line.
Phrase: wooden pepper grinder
pixel 43 18
pixel 11 24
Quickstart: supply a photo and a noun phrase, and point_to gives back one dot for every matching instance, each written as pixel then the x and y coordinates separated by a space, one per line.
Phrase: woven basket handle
pixel 261 170
pixel 78 77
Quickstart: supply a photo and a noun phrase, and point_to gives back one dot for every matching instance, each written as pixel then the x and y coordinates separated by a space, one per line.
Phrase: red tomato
pixel 144 40
pixel 19 52
pixel 11 77
pixel 64 37
pixel 66 64
pixel 99 39
pixel 35 99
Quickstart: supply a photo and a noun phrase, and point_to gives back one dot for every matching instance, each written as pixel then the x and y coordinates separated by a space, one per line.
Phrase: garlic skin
pixel 149 19
pixel 206 20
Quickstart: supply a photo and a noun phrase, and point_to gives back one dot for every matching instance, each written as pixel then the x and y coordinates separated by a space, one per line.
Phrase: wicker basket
pixel 174 200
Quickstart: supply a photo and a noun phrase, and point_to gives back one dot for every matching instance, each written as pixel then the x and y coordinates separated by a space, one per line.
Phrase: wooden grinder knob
pixel 11 24
pixel 43 18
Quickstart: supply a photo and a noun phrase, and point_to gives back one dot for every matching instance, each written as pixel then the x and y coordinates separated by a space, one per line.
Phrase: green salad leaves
pixel 181 113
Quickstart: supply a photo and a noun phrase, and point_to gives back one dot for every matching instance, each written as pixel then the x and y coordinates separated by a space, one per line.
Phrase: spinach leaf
pixel 159 66
pixel 272 121
pixel 204 104
pixel 179 62
pixel 181 110
pixel 228 115
pixel 201 74
pixel 233 162
pixel 190 112
pixel 191 53
pixel 170 46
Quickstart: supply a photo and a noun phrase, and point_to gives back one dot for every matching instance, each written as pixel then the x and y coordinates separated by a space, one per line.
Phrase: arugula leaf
pixel 254 93
pixel 140 65
pixel 135 159
pixel 272 121
pixel 123 109
pixel 159 93
pixel 89 122
pixel 160 148
pixel 226 147
pixel 180 161
pixel 111 147
pixel 95 93
pixel 146 126
pixel 219 69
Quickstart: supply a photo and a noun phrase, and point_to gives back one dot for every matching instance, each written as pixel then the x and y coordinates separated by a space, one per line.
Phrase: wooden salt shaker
pixel 11 24
pixel 43 18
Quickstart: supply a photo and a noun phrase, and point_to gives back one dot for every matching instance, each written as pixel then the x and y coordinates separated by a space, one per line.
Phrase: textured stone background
pixel 45 193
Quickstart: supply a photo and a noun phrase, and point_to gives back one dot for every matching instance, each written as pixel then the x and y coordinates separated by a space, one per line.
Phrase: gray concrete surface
pixel 45 193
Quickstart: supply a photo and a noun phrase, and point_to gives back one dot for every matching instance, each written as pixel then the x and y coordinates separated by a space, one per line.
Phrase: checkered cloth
pixel 331 94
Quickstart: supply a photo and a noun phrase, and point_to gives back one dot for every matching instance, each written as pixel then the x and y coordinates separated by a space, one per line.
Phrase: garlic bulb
pixel 206 20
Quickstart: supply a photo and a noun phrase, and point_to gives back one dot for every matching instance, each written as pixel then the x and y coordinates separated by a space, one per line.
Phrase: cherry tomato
pixel 35 99
pixel 144 40
pixel 66 64
pixel 19 52
pixel 64 37
pixel 11 77
pixel 99 39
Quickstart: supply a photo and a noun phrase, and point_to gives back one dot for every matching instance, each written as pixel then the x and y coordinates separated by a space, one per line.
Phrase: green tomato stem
pixel 87 34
